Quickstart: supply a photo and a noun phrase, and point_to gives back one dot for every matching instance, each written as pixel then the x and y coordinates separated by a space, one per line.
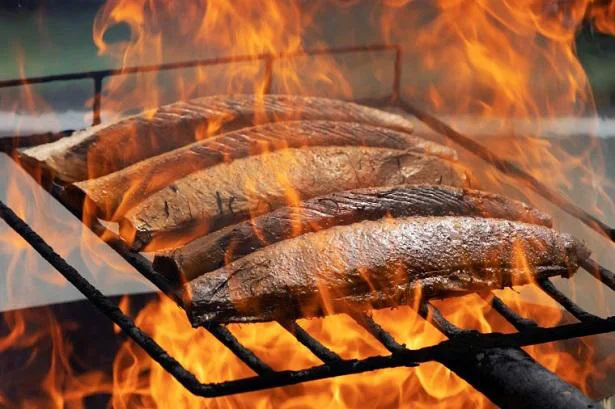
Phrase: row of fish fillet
pixel 280 207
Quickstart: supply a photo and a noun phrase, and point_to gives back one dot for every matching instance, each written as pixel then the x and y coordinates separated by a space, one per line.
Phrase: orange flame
pixel 603 15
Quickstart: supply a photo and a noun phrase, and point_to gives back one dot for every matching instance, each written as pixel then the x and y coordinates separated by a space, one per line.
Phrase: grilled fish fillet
pixel 113 194
pixel 107 148
pixel 378 264
pixel 210 199
pixel 221 247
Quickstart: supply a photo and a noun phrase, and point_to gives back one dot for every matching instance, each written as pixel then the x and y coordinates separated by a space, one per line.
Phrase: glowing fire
pixel 500 63
pixel 429 384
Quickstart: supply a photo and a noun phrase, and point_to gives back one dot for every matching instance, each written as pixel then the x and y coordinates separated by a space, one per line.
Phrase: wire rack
pixel 460 341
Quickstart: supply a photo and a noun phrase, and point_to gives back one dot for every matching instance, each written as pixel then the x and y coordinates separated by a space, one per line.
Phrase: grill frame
pixel 460 341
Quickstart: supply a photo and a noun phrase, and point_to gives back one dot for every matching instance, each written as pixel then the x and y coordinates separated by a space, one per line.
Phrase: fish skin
pixel 379 264
pixel 225 194
pixel 109 147
pixel 114 194
pixel 214 250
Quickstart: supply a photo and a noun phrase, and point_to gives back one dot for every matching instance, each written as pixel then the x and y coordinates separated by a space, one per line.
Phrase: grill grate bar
pixel 144 267
pixel 433 315
pixel 579 313
pixel 266 58
pixel 520 323
pixel 599 272
pixel 375 330
pixel 406 357
pixel 316 347
pixel 98 299
pixel 246 356
pixel 8 144
pixel 139 263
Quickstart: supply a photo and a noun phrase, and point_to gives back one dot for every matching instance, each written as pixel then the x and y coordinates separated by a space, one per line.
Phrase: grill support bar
pixel 375 330
pixel 519 381
pixel 509 377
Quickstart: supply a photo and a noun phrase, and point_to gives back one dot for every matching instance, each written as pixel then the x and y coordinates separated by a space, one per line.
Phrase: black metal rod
pixel 10 143
pixel 600 272
pixel 510 169
pixel 375 330
pixel 268 75
pixel 509 377
pixel 225 336
pixel 578 312
pixel 96 105
pixel 322 352
pixel 520 323
pixel 435 317
pixel 286 378
pixel 98 299
pixel 541 335
pixel 190 64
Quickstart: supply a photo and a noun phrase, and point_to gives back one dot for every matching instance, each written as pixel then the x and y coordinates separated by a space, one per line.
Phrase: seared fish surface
pixel 114 194
pixel 216 197
pixel 377 264
pixel 214 250
pixel 106 148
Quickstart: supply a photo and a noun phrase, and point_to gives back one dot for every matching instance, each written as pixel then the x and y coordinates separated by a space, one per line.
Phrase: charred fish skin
pixel 225 194
pixel 380 264
pixel 113 194
pixel 214 250
pixel 107 148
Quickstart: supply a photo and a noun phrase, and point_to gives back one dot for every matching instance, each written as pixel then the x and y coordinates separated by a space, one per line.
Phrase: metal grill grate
pixel 459 341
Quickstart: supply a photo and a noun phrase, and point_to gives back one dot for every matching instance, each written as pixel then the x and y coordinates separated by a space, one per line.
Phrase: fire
pixel 507 68
pixel 42 374
pixel 603 16
pixel 210 29
pixel 428 385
